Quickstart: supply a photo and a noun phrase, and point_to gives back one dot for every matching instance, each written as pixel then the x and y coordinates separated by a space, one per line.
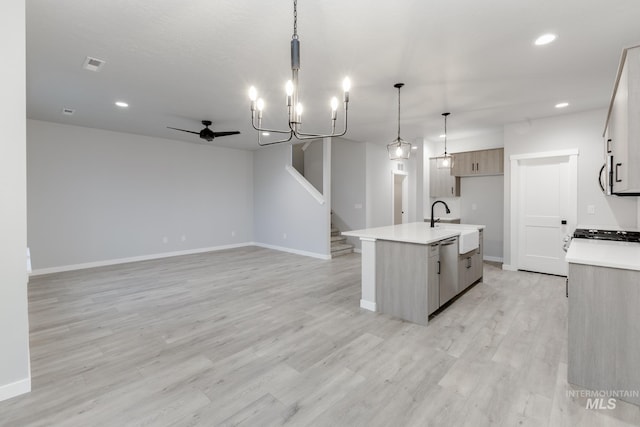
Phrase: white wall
pixel 287 216
pixel 97 195
pixel 14 327
pixel 582 131
pixel 481 202
pixel 348 186
pixel 378 184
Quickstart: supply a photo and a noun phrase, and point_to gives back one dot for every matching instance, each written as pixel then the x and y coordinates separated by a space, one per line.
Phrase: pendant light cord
pixel 295 19
pixel 445 133
pixel 398 113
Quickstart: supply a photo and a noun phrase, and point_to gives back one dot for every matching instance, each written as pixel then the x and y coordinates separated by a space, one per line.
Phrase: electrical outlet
pixel 284 236
pixel 233 234
pixel 591 209
pixel 474 207
pixel 358 206
pixel 165 239
pixel 183 237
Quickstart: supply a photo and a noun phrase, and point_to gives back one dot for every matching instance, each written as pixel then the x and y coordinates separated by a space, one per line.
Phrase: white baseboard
pixel 41 271
pixel 493 258
pixel 368 305
pixel 293 251
pixel 14 389
pixel 508 267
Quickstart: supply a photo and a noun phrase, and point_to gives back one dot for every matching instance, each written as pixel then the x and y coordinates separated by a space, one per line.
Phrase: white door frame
pixel 405 195
pixel 572 217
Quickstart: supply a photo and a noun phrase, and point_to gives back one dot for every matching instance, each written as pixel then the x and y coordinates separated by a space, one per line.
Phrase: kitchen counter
pixel 413 232
pixel 604 253
pixel 402 266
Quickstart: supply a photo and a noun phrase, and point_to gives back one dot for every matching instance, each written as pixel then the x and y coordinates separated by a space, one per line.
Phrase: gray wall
pixel 97 195
pixel 348 186
pixel 582 131
pixel 378 184
pixel 481 202
pixel 14 327
pixel 313 164
pixel 286 215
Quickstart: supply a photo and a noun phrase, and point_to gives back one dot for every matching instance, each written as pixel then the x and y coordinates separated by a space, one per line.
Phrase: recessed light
pixel 122 104
pixel 265 133
pixel 545 39
pixel 562 105
pixel 443 135
pixel 415 147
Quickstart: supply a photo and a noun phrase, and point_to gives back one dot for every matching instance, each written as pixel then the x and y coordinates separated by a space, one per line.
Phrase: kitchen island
pixel 603 320
pixel 411 270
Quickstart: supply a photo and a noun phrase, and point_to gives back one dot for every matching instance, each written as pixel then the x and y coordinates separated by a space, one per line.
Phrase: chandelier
pixel 399 149
pixel 293 103
pixel 445 161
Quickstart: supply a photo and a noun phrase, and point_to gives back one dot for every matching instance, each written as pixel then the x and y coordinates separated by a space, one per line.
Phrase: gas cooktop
pixel 615 235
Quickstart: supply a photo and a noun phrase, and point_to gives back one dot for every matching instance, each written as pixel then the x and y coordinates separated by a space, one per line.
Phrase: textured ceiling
pixel 179 62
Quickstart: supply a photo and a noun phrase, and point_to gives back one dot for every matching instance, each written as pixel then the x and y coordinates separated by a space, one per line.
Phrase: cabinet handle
pixel 438 267
pixel 617 166
pixel 451 190
pixel 477 167
pixel 609 145
pixel 468 262
pixel 473 166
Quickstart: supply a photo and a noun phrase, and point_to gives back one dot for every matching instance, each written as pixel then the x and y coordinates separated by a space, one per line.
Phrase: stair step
pixel 342 249
pixel 338 239
pixel 335 231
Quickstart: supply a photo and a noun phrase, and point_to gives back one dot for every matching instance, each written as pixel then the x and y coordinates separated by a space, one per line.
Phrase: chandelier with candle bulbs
pixel 293 103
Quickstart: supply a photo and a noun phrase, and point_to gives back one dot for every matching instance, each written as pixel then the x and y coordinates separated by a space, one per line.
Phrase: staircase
pixel 339 245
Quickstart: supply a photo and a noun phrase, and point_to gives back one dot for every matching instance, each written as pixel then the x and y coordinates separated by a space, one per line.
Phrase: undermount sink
pixel 469 238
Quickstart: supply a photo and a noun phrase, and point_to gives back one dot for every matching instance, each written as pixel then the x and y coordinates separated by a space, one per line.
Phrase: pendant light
pixel 399 149
pixel 445 161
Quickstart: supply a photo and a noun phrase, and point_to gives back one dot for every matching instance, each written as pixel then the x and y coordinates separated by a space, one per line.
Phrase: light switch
pixel 591 209
pixel 474 207
pixel 358 206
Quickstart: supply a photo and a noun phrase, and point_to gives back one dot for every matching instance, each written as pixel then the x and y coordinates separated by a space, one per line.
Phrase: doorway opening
pixel 399 197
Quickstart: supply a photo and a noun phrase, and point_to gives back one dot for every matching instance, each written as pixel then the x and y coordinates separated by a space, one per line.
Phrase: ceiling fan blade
pixel 233 132
pixel 183 130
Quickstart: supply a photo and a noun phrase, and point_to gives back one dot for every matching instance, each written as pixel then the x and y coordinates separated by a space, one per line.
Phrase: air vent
pixel 93 64
pixel 68 111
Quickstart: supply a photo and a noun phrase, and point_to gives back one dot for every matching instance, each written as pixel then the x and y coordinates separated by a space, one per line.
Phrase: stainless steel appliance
pixel 614 235
pixel 448 269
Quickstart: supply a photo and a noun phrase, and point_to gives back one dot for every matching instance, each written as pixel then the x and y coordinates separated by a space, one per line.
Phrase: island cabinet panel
pixel 433 278
pixel 401 280
pixel 604 329
pixel 477 163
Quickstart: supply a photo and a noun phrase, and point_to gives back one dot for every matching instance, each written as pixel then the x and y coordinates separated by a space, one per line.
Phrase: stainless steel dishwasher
pixel 448 269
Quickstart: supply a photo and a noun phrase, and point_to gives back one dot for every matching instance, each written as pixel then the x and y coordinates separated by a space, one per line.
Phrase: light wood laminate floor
pixel 255 337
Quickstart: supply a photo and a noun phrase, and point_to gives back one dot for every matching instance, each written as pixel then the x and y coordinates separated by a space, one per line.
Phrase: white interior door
pixel 545 199
pixel 400 199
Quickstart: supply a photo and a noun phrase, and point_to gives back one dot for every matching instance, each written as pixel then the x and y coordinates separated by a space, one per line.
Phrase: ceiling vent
pixel 68 111
pixel 93 64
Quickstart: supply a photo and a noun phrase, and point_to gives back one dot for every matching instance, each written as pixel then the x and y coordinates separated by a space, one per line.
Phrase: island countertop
pixel 413 232
pixel 604 253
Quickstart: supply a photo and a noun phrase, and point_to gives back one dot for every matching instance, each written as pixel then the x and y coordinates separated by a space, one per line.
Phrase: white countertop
pixel 413 232
pixel 605 253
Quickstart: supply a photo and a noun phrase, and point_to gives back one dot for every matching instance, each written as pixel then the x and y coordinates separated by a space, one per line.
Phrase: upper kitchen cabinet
pixel 441 182
pixel 482 162
pixel 622 132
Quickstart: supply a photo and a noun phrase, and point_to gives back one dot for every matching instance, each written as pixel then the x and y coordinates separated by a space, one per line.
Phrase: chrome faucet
pixel 434 203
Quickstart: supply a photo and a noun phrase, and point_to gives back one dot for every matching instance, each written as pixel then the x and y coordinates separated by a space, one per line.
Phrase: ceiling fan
pixel 207 133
